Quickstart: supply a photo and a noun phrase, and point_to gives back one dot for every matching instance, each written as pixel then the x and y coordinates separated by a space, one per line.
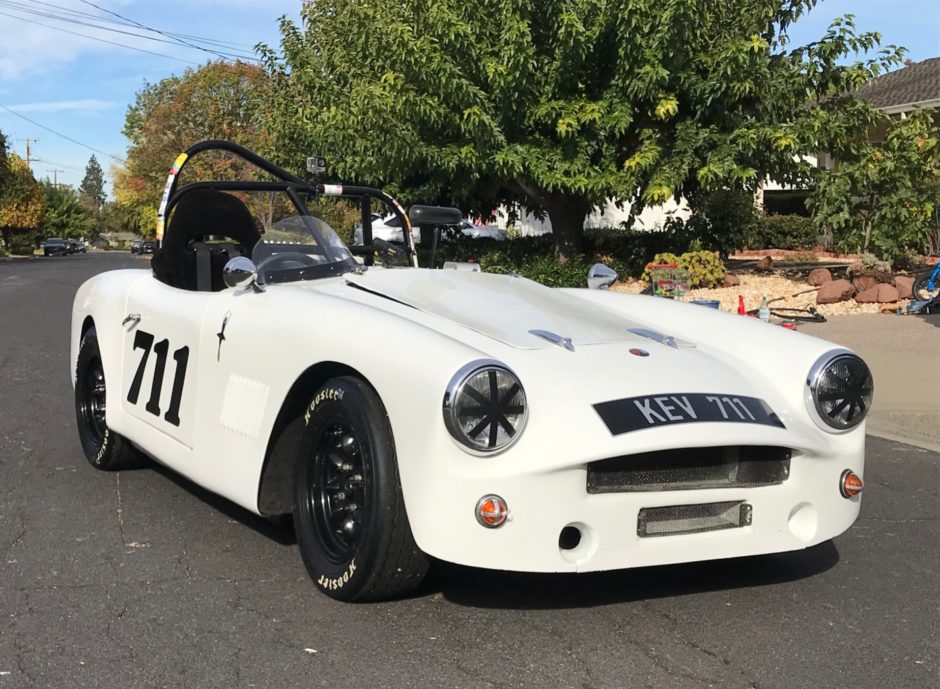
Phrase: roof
pixel 916 83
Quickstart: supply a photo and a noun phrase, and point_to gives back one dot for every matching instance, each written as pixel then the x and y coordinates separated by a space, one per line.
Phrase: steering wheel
pixel 286 260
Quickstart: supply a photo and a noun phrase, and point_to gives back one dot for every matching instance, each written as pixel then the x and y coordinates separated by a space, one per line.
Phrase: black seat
pixel 185 260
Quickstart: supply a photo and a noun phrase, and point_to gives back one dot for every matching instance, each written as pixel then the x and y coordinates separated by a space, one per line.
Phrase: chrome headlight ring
pixel 839 390
pixel 485 407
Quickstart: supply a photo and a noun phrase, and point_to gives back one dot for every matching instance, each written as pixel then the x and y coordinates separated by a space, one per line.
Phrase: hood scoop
pixel 667 340
pixel 554 338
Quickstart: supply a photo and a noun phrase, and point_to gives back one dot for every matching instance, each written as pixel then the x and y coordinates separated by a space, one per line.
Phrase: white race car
pixel 400 413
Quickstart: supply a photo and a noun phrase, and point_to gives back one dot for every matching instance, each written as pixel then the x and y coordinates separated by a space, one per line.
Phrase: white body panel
pixel 408 331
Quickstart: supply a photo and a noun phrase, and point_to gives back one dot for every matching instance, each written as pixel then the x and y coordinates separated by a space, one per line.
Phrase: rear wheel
pixel 104 449
pixel 349 513
pixel 921 289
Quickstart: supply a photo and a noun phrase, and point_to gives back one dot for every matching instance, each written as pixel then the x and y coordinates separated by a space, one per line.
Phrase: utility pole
pixel 55 177
pixel 35 141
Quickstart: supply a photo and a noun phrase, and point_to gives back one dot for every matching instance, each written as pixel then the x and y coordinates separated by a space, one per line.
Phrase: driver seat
pixel 186 260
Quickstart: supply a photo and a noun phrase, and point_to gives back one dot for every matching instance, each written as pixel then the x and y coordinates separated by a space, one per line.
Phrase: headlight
pixel 485 407
pixel 839 390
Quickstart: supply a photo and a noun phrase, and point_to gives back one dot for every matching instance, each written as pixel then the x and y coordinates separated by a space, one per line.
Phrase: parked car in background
pixel 389 228
pixel 135 246
pixel 76 247
pixel 147 247
pixel 56 247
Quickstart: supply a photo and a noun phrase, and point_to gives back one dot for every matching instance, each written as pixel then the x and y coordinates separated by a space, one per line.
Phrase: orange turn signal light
pixel 492 511
pixel 850 484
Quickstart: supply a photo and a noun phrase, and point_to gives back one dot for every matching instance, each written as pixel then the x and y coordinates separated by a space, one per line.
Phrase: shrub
pixel 783 232
pixel 799 257
pixel 705 268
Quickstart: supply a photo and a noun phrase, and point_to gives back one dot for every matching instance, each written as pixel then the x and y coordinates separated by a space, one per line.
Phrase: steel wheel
pixel 338 491
pixel 92 401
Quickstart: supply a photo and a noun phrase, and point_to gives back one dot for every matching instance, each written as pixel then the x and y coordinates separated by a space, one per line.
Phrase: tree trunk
pixel 567 214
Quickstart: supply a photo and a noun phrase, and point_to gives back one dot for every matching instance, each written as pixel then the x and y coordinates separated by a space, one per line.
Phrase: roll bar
pixel 289 183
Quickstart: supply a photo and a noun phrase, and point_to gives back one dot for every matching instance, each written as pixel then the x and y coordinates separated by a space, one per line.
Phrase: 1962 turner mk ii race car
pixel 399 413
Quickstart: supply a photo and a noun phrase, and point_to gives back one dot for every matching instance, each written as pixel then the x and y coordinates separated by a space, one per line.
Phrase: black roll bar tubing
pixel 289 183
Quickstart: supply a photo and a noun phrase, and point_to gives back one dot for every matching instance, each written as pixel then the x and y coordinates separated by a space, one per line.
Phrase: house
pixel 897 93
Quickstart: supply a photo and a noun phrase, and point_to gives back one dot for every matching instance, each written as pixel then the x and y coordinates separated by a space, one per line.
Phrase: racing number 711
pixel 144 340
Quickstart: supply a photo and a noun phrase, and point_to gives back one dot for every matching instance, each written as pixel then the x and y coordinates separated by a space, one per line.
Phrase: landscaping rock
pixel 905 285
pixel 865 282
pixel 730 280
pixel 835 291
pixel 879 294
pixel 765 265
pixel 819 276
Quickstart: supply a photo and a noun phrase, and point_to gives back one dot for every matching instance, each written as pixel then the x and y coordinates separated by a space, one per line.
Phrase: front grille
pixel 691 468
pixel 686 519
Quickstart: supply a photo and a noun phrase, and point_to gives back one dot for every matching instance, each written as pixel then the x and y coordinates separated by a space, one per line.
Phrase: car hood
pixel 505 308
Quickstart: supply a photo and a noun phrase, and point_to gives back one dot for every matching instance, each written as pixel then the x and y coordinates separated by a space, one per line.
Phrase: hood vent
pixel 554 338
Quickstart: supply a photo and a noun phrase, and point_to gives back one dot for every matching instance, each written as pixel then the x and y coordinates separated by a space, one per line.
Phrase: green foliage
pixel 66 215
pixel 91 189
pixel 783 232
pixel 558 106
pixel 883 194
pixel 705 268
pixel 627 252
pixel 722 221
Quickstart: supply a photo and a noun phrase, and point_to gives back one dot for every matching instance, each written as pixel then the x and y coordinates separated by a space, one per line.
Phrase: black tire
pixel 104 449
pixel 349 513
pixel 919 289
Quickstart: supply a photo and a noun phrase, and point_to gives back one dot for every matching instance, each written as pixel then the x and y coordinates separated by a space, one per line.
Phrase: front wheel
pixel 104 449
pixel 349 513
pixel 921 288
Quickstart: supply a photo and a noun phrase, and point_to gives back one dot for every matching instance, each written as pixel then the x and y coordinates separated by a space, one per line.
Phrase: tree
pixel 66 214
pixel 560 105
pixel 21 204
pixel 4 163
pixel 882 193
pixel 220 100
pixel 92 186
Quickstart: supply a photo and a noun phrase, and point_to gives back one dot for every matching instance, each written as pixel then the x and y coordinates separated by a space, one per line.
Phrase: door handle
pixel 135 317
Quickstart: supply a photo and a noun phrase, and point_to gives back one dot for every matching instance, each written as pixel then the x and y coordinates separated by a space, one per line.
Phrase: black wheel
pixel 349 513
pixel 104 449
pixel 920 290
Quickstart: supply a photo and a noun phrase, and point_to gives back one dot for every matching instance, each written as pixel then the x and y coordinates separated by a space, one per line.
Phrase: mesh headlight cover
pixel 485 408
pixel 842 389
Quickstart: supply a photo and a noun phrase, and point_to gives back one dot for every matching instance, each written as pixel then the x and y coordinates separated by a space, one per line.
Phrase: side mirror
pixel 601 276
pixel 434 215
pixel 240 272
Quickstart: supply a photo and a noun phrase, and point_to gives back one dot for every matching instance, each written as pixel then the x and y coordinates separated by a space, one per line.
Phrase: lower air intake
pixel 686 519
pixel 690 468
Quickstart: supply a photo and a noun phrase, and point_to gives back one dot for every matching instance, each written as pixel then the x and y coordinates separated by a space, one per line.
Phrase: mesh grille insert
pixel 687 519
pixel 690 468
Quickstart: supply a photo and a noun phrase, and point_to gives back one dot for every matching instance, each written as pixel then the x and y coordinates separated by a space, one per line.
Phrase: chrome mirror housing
pixel 601 276
pixel 240 272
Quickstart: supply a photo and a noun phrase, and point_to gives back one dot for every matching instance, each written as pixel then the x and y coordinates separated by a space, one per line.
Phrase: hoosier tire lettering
pixel 338 582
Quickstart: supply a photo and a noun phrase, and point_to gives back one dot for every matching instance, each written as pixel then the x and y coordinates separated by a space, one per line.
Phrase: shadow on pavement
pixel 488 589
pixel 279 530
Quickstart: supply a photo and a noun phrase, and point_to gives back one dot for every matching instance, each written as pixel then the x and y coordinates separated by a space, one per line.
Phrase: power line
pixel 70 16
pixel 101 40
pixel 148 28
pixel 20 8
pixel 64 136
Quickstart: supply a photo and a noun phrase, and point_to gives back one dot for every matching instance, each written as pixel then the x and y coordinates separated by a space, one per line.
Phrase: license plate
pixel 636 413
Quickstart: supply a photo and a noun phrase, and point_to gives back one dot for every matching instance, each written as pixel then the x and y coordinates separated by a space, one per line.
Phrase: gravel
pixel 797 295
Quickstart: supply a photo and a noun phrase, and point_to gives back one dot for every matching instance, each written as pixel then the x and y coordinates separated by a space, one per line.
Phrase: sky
pixel 81 87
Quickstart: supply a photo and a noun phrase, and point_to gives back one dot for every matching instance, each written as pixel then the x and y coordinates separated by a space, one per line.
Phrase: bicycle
pixel 927 285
